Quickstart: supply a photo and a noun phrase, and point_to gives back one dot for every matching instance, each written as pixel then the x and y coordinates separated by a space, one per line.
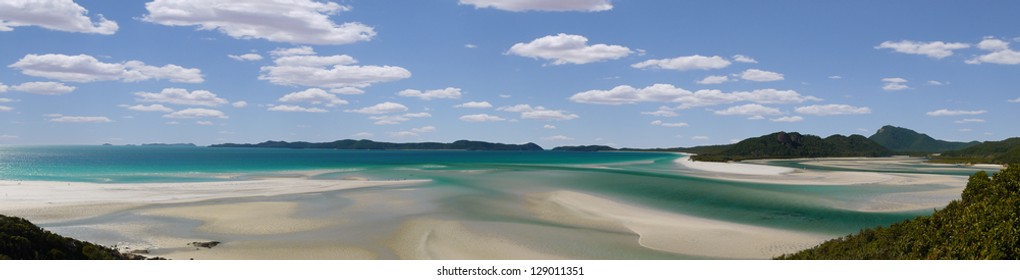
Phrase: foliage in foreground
pixel 983 225
pixel 22 240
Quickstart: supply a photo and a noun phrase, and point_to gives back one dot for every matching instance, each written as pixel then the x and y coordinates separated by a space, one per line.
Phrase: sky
pixel 624 73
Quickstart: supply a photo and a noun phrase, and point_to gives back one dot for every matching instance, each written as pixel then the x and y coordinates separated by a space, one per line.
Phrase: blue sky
pixel 623 73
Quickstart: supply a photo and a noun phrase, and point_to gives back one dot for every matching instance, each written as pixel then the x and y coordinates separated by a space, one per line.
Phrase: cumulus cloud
pixel 181 96
pixel 295 51
pixel 835 77
pixel 700 138
pixel 6 108
pixel 832 109
pixel 712 80
pixel 1017 100
pixel 999 53
pixel 288 21
pixel 683 63
pixel 663 111
pixel 744 59
pixel 749 110
pixel 44 88
pixel 246 57
pixel 481 118
pixel 549 126
pixel 403 134
pixel 970 121
pixel 381 108
pixel 78 119
pixel 424 129
pixel 474 105
pixel 195 113
pixel 626 94
pixel 557 138
pixel 788 119
pixel 61 15
pixel 299 66
pixel 894 84
pixel 204 123
pixel 446 93
pixel 3 88
pixel 947 112
pixel 760 75
pixel 347 90
pixel 85 68
pixel 239 104
pixel 666 124
pixel 295 108
pixel 542 5
pixel 314 96
pixel 936 49
pixel 149 108
pixel 565 48
pixel 538 112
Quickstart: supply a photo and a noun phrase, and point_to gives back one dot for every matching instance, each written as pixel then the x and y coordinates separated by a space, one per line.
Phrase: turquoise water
pixel 471 185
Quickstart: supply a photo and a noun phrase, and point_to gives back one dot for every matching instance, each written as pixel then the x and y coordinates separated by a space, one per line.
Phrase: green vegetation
pixel 996 152
pixel 793 145
pixel 349 144
pixel 586 148
pixel 985 224
pixel 904 140
pixel 22 240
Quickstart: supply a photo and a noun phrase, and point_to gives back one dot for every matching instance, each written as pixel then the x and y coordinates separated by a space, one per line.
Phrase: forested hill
pixel 349 144
pixel 22 240
pixel 796 145
pixel 983 225
pixel 900 139
pixel 997 152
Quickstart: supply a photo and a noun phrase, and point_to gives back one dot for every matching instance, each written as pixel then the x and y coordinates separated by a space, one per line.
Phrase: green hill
pixel 997 152
pixel 795 145
pixel 22 240
pixel 985 224
pixel 904 140
pixel 349 144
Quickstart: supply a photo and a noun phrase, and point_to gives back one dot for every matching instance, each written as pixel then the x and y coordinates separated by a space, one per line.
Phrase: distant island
pixel 902 140
pixel 350 144
pixel 794 145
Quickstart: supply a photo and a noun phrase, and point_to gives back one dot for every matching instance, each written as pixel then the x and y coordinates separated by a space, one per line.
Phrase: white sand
pixel 248 218
pixel 733 167
pixel 758 173
pixel 672 232
pixel 430 239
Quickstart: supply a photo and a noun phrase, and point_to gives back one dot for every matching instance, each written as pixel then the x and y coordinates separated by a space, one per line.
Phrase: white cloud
pixel 749 110
pixel 295 51
pixel 565 48
pixel 363 135
pixel 947 112
pixel 999 53
pixel 3 88
pixel 970 121
pixel 78 119
pixel 246 57
pixel 965 130
pixel 403 134
pixel 663 111
pixel 204 123
pixel 893 84
pixel 288 21
pixel 712 80
pixel 62 15
pixel 761 75
pixel 381 108
pixel 744 59
pixel 194 113
pixel 684 63
pixel 314 96
pixel 295 108
pixel 936 49
pixel 505 96
pixel 6 100
pixel 388 120
pixel 6 108
pixel 700 138
pixel 239 104
pixel 835 77
pixel 181 96
pixel 85 68
pixel 424 129
pixel 335 72
pixel 832 109
pixel 446 93
pixel 538 112
pixel 626 94
pixel 666 124
pixel 557 138
pixel 418 115
pixel 935 83
pixel 542 5
pixel 788 119
pixel 481 118
pixel 347 90
pixel 149 108
pixel 44 88
pixel 172 123
pixel 474 105
pixel 549 126
pixel 1017 100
